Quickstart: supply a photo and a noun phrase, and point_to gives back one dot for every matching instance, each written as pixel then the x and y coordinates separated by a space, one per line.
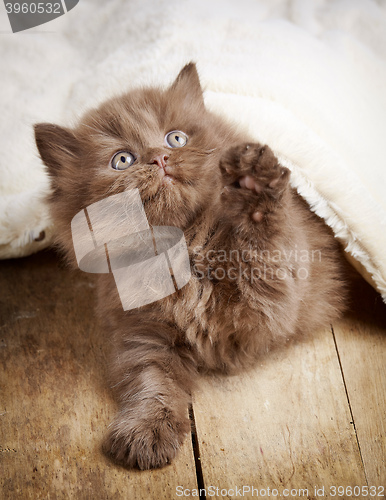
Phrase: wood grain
pixel 361 344
pixel 55 405
pixel 286 424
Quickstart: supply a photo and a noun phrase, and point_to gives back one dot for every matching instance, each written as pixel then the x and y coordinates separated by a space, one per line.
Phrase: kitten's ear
pixel 188 85
pixel 56 145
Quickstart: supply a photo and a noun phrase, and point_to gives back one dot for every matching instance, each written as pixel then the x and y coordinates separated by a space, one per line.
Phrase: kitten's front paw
pixel 146 443
pixel 253 173
pixel 254 167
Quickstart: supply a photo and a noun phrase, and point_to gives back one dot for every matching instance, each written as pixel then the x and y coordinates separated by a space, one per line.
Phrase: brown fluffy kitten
pixel 264 268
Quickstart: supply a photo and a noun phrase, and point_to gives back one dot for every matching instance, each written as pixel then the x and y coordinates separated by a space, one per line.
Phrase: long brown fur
pixel 264 268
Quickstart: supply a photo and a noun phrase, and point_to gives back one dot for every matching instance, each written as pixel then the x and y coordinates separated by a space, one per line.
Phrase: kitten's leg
pixel 255 187
pixel 153 382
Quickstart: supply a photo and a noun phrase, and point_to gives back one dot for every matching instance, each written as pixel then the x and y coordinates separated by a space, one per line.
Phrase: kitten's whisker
pixel 115 186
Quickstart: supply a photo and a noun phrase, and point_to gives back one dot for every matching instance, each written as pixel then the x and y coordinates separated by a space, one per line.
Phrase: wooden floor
pixel 309 417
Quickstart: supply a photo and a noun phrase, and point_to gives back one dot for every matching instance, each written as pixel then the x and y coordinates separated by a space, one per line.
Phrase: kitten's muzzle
pixel 165 171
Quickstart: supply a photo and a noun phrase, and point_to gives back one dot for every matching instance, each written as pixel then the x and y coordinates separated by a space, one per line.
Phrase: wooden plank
pixel 361 343
pixel 285 424
pixel 55 404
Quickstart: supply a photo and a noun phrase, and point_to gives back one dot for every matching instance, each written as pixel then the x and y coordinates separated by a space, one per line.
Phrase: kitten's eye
pixel 176 139
pixel 122 160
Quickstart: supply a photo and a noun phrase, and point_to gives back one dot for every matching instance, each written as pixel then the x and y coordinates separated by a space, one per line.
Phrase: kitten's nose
pixel 160 160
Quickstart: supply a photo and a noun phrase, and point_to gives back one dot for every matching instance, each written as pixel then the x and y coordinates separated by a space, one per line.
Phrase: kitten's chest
pixel 211 305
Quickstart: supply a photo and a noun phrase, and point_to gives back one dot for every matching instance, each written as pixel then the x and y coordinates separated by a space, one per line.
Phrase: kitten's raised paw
pixel 254 167
pixel 145 443
pixel 253 180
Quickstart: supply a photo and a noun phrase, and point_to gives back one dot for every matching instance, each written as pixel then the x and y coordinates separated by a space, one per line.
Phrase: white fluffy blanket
pixel 307 77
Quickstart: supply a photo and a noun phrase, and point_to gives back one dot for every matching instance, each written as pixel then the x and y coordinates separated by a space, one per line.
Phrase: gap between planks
pixel 348 402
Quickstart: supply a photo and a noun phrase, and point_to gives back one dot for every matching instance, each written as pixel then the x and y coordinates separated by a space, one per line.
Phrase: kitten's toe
pixel 248 182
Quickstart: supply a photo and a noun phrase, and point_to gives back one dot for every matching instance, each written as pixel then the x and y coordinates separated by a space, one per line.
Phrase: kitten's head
pixel 163 142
